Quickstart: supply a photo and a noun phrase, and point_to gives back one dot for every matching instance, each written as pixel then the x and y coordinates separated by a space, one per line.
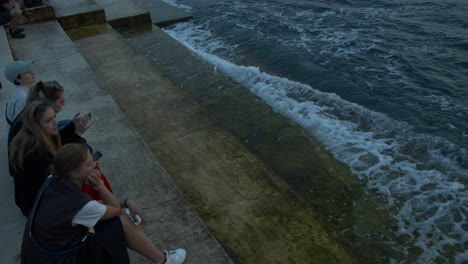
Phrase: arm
pixel 113 208
pixel 82 123
pixel 68 135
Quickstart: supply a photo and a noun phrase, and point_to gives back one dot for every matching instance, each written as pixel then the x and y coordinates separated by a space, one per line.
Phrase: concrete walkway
pixel 11 220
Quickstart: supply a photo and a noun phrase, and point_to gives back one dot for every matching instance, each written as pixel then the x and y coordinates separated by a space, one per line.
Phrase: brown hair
pixel 69 158
pixel 31 136
pixel 48 92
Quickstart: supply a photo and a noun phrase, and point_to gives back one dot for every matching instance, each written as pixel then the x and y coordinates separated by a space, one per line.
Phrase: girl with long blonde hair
pixel 32 151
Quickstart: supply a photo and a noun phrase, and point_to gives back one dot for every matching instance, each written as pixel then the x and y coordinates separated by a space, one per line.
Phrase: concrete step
pixel 39 13
pixel 128 163
pixel 118 13
pixel 124 14
pixel 243 202
pixel 78 13
pixel 162 13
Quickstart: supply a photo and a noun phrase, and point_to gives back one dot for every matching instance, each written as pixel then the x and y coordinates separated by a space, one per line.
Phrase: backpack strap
pixel 10 122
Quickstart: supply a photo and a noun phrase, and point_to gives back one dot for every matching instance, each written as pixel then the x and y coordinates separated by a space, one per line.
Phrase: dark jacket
pixel 29 179
pixel 52 229
pixel 52 224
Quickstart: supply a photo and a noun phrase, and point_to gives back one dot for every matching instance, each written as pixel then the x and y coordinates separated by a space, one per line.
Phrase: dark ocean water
pixel 382 84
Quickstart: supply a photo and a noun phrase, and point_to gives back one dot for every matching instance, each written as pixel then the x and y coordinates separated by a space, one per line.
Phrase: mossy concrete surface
pixel 310 172
pixel 246 205
pixel 277 141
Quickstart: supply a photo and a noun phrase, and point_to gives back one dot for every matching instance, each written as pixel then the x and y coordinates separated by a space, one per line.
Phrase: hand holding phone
pixel 82 123
pixel 135 220
pixel 97 155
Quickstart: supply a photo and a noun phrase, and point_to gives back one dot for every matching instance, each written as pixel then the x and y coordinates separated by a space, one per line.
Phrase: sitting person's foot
pixel 174 256
pixel 17 34
pixel 20 29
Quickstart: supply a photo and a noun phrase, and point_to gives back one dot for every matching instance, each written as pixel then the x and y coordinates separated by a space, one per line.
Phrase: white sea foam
pixel 178 5
pixel 420 175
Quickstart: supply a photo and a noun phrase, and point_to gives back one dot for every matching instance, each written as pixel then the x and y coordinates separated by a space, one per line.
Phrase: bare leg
pixel 14 24
pixel 139 242
pixel 15 14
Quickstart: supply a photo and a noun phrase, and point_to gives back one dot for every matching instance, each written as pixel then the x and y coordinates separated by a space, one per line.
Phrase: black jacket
pixel 52 225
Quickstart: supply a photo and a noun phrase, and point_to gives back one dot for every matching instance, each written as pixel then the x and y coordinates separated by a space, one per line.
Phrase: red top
pixel 88 188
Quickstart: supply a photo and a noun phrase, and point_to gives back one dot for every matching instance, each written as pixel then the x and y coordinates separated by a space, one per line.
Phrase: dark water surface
pixel 381 84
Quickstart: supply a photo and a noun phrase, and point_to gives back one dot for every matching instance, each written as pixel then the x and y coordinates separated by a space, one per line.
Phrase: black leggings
pixel 108 244
pixel 5 18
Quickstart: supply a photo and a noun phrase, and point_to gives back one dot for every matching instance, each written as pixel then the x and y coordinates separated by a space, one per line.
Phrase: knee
pixel 127 225
pixel 15 12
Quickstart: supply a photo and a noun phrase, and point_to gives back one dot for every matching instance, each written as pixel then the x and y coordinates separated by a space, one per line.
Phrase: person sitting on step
pixel 68 226
pixel 31 152
pixel 20 74
pixel 10 12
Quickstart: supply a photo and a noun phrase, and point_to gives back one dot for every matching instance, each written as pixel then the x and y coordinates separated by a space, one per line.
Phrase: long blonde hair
pixel 31 136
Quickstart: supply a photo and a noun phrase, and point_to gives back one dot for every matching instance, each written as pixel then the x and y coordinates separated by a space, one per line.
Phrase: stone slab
pixel 36 14
pixel 118 9
pixel 123 13
pixel 162 13
pixel 77 13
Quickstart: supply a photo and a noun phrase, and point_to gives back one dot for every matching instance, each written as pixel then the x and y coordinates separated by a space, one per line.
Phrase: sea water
pixel 382 84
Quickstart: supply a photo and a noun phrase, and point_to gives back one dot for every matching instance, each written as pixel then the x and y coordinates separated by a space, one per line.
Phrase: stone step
pixel 124 14
pixel 78 13
pixel 162 13
pixel 39 13
pixel 118 13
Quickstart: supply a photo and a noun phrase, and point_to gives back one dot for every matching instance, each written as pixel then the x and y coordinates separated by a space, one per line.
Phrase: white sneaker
pixel 175 256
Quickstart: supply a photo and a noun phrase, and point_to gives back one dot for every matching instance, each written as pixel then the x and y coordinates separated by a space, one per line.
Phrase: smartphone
pixel 97 155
